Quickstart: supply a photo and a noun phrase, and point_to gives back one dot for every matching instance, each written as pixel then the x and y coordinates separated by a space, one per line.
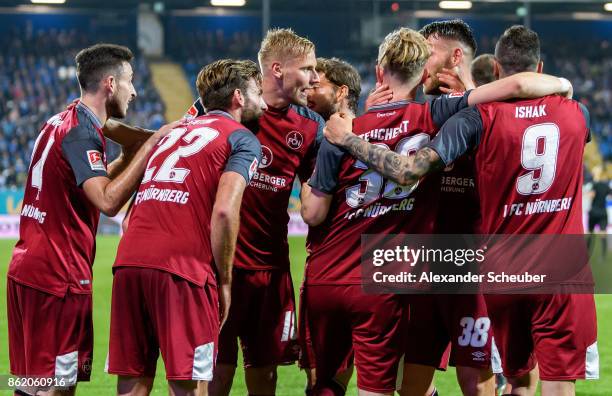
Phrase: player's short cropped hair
pixel 342 73
pixel 482 69
pixel 217 81
pixel 404 52
pixel 518 50
pixel 454 29
pixel 283 44
pixel 98 61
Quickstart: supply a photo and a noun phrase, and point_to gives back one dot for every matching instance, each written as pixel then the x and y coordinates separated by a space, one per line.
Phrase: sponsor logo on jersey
pixel 95 160
pixel 294 140
pixel 253 168
pixel 191 113
pixel 266 157
pixel 479 355
pixel 456 94
pixel 387 114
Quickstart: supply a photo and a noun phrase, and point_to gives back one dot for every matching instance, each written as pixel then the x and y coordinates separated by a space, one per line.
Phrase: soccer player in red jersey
pixel 173 269
pixel 339 315
pixel 338 91
pixel 290 134
pixel 69 183
pixel 439 320
pixel 552 336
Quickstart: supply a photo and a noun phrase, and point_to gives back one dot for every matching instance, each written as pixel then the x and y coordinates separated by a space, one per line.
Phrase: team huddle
pixel 203 264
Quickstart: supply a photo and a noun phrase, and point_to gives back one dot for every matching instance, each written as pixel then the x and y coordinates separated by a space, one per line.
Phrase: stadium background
pixel 174 39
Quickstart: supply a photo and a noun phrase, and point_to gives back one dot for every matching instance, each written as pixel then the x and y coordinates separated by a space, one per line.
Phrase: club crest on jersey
pixel 95 160
pixel 266 157
pixel 294 140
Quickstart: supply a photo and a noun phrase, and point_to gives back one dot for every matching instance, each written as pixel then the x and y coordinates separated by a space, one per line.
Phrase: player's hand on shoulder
pixel 456 79
pixel 162 132
pixel 380 95
pixel 338 127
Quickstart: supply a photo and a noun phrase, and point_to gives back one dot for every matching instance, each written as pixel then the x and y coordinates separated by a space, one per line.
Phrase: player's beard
pixel 113 108
pixel 250 118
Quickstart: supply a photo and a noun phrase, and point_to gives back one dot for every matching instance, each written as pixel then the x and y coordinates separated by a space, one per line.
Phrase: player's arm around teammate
pixel 394 166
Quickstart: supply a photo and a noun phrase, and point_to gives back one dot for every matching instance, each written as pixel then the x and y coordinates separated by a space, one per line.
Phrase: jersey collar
pixel 221 113
pixel 92 117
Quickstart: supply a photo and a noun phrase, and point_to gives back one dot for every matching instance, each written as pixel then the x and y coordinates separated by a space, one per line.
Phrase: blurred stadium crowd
pixel 37 78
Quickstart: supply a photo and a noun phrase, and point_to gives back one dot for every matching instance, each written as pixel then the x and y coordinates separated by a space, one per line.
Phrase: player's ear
pixel 456 56
pixel 496 69
pixel 342 93
pixel 540 66
pixel 379 74
pixel 109 84
pixel 423 76
pixel 277 69
pixel 238 98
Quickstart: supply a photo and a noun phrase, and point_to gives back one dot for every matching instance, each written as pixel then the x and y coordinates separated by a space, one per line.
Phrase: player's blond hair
pixel 404 52
pixel 283 44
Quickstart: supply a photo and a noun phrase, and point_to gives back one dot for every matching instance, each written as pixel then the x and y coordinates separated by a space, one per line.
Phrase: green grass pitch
pixel 291 380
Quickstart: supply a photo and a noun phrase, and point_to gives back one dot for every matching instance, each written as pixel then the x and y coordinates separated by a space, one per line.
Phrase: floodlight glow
pixel 227 3
pixel 455 5
pixel 48 1
pixel 608 7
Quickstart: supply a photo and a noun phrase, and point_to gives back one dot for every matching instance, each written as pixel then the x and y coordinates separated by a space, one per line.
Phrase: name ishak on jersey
pixel 163 195
pixel 33 213
pixel 385 133
pixel 264 181
pixel 530 111
pixel 537 206
pixel 375 210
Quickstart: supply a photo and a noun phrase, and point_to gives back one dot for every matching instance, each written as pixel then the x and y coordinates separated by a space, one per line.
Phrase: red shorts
pixel 342 319
pixel 306 359
pixel 154 310
pixel 558 332
pixel 439 319
pixel 262 316
pixel 49 336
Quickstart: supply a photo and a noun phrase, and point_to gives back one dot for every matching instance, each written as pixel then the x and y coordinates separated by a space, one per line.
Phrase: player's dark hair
pixel 518 50
pixel 217 81
pixel 342 73
pixel 98 61
pixel 482 69
pixel 454 29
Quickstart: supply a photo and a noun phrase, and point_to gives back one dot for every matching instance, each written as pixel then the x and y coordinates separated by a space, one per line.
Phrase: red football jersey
pixel 363 201
pixel 289 142
pixel 170 220
pixel 459 210
pixel 529 175
pixel 58 224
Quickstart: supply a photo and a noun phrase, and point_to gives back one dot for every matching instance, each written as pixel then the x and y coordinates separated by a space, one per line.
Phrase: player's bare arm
pixel 315 205
pixel 224 226
pixel 404 170
pixel 125 135
pixel 524 85
pixel 109 194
